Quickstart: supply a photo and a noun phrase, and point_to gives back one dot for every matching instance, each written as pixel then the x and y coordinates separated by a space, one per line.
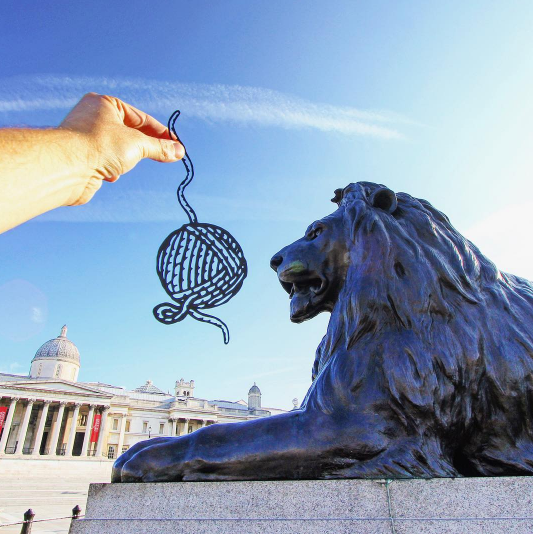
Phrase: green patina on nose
pixel 297 267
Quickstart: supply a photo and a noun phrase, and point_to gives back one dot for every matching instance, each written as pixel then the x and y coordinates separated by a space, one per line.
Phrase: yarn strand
pixel 189 168
pixel 211 319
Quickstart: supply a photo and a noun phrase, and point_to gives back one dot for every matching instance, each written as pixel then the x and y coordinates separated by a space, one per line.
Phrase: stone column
pixel 40 429
pixel 73 425
pixel 101 433
pixel 173 426
pixel 88 430
pixel 24 427
pixel 185 427
pixel 121 436
pixel 7 424
pixel 57 429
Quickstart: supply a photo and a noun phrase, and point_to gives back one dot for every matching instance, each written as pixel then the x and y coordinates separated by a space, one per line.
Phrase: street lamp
pixel 149 431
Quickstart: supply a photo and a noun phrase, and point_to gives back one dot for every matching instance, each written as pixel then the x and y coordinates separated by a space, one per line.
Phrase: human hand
pixel 112 137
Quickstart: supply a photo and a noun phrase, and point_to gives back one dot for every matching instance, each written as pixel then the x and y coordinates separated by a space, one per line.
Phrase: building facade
pixel 49 414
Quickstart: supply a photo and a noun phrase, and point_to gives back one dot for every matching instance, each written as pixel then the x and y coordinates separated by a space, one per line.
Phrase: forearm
pixel 100 139
pixel 40 170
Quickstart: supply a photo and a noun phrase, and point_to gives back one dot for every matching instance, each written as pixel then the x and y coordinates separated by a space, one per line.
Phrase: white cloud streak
pixel 256 376
pixel 153 206
pixel 212 103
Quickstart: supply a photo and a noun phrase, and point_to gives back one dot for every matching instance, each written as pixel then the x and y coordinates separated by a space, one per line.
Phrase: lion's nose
pixel 276 261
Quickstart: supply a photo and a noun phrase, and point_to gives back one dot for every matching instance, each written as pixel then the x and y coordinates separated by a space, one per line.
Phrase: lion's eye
pixel 315 232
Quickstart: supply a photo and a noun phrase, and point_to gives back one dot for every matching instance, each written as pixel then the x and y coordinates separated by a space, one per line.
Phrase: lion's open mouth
pixel 315 285
pixel 305 291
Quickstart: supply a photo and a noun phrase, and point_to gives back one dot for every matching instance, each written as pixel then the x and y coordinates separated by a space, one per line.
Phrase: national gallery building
pixel 49 413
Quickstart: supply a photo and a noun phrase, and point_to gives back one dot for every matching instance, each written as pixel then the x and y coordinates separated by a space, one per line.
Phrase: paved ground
pixel 50 488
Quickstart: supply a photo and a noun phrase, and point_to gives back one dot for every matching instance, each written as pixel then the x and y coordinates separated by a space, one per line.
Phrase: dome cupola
pixel 254 397
pixel 57 358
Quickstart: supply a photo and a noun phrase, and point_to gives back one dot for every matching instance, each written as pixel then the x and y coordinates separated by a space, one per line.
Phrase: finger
pixel 135 118
pixel 162 150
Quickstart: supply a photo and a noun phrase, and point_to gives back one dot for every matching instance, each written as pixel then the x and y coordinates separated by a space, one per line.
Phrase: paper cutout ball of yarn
pixel 200 266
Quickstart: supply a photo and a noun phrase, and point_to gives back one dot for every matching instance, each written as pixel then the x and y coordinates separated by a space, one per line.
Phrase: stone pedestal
pixel 469 505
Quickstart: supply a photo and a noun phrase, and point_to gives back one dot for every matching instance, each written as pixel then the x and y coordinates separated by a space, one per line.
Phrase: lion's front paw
pixel 119 474
pixel 155 460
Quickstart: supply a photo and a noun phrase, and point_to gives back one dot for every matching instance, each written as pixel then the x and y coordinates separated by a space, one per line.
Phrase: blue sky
pixel 282 102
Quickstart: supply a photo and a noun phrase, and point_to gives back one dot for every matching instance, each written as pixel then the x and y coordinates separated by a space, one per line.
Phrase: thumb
pixel 163 150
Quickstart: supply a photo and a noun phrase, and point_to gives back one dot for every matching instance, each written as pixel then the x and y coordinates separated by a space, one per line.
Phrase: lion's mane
pixel 447 336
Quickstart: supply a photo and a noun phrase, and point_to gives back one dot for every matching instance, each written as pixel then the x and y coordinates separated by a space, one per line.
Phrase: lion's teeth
pixel 315 288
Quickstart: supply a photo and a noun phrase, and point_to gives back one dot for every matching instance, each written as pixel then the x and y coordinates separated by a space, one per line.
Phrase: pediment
pixel 55 386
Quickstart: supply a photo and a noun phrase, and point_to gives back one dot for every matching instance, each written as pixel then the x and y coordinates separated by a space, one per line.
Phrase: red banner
pixel 3 415
pixel 96 428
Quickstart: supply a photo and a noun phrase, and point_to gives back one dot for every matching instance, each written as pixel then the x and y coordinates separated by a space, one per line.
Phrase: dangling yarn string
pixel 200 265
pixel 189 169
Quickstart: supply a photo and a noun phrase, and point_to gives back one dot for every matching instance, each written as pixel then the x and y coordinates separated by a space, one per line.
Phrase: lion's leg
pixel 294 445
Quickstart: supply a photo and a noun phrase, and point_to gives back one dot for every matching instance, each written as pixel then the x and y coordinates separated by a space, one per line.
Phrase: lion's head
pixel 313 269
pixel 447 336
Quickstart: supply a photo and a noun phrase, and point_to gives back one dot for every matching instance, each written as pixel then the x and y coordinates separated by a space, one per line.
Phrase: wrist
pixel 78 173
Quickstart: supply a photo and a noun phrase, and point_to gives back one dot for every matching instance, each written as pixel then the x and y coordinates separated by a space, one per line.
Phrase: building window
pixel 125 448
pixel 111 452
pixel 40 370
pixel 128 425
pixel 190 429
pixel 58 370
pixel 115 424
pixel 161 428
pixel 82 420
pixel 145 427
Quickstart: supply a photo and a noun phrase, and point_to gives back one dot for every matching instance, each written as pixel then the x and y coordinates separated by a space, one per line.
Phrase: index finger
pixel 135 118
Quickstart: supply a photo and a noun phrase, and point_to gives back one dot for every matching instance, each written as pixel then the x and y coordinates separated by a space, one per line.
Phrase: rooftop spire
pixel 63 331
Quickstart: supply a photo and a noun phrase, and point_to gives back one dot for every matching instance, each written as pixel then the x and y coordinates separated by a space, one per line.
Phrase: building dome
pixel 254 398
pixel 254 390
pixel 57 358
pixel 59 348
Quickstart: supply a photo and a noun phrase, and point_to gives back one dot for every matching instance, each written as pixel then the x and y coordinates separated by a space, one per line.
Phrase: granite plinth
pixel 473 505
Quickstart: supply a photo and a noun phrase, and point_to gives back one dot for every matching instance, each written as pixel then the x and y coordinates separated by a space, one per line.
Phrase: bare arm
pixel 100 139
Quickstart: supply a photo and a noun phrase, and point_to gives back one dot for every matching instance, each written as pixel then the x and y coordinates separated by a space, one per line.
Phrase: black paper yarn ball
pixel 200 266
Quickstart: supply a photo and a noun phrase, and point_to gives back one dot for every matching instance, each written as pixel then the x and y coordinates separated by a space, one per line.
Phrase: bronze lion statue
pixel 426 369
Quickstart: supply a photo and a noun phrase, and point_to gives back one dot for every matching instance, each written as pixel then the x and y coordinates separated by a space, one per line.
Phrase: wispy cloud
pixel 153 206
pixel 256 376
pixel 213 103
